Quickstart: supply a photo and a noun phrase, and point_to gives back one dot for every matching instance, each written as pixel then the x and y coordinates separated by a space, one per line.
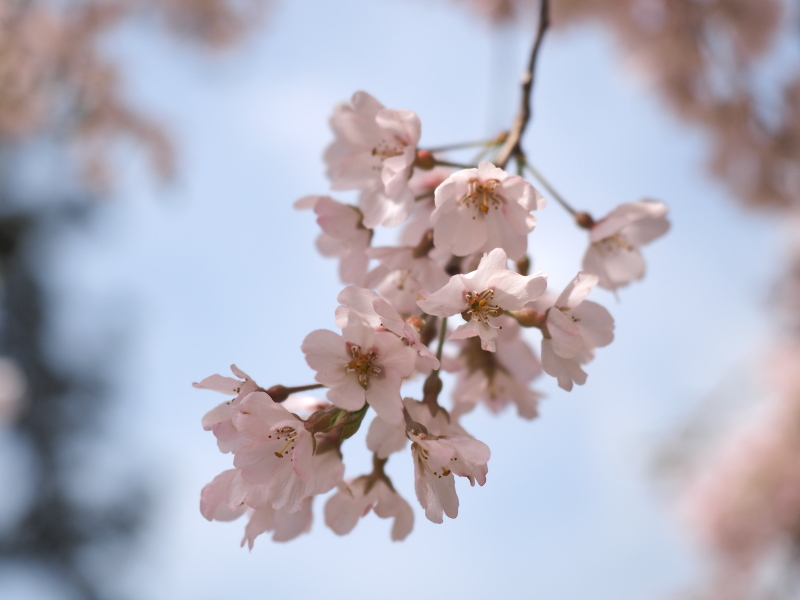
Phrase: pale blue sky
pixel 217 268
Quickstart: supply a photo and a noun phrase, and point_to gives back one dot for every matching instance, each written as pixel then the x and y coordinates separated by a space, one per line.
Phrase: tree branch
pixel 512 146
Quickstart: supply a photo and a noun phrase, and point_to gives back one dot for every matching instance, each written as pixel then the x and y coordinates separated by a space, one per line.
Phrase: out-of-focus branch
pixel 512 146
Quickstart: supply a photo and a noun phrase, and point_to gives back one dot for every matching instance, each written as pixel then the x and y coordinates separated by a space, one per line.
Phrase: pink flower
pixel 613 254
pixel 229 496
pixel 357 498
pixel 423 184
pixel 361 365
pixel 216 502
pixel 482 209
pixel 482 296
pixel 566 370
pixel 435 487
pixel 369 307
pixel 278 453
pixel 440 449
pixel 218 419
pixel 374 151
pixel 574 328
pixel 387 438
pixel 436 459
pixel 497 378
pixel 402 273
pixel 284 525
pixel 343 235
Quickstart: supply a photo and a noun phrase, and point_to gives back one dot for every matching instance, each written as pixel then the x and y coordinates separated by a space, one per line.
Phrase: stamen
pixel 291 436
pixel 614 243
pixel 479 307
pixel 482 195
pixel 362 365
pixel 386 150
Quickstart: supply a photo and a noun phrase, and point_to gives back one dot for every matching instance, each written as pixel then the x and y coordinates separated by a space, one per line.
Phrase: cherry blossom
pixel 406 270
pixel 574 328
pixel 497 378
pixel 423 184
pixel 387 438
pixel 285 525
pixel 369 307
pixel 482 296
pixel 566 370
pixel 440 449
pixel 278 453
pixel 613 254
pixel 467 224
pixel 343 235
pixel 361 365
pixel 484 208
pixel 358 497
pixel 436 459
pixel 230 495
pixel 374 151
pixel 218 419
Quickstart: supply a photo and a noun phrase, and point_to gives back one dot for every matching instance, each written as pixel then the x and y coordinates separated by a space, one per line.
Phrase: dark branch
pixel 512 146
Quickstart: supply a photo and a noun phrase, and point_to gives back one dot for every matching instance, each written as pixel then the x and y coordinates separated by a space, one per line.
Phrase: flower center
pixel 362 364
pixel 615 243
pixel 290 435
pixel 479 306
pixel 482 195
pixel 384 149
pixel 422 455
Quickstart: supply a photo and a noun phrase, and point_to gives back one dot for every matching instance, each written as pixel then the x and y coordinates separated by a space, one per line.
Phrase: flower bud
pixel 278 393
pixel 524 265
pixel 584 220
pixel 424 160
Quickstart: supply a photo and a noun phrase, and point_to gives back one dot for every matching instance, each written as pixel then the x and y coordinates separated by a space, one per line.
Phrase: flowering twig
pixel 512 146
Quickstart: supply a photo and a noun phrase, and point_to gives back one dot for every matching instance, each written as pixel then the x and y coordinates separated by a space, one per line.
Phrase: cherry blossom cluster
pixel 462 254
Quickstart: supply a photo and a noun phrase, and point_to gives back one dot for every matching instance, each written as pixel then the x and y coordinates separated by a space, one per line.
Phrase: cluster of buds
pixel 461 230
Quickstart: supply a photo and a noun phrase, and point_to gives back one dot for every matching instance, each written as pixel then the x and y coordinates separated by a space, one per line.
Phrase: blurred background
pixel 150 153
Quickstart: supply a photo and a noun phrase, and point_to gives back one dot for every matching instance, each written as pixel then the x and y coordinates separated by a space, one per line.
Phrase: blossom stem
pixel 441 339
pixel 279 393
pixel 513 145
pixel 423 196
pixel 305 388
pixel 551 190
pixel 495 141
pixel 433 384
pixel 447 163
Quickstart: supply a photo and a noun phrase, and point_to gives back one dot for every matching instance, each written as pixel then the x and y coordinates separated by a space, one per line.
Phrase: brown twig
pixel 513 144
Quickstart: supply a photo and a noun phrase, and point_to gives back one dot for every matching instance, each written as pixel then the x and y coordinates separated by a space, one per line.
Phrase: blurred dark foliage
pixel 55 530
